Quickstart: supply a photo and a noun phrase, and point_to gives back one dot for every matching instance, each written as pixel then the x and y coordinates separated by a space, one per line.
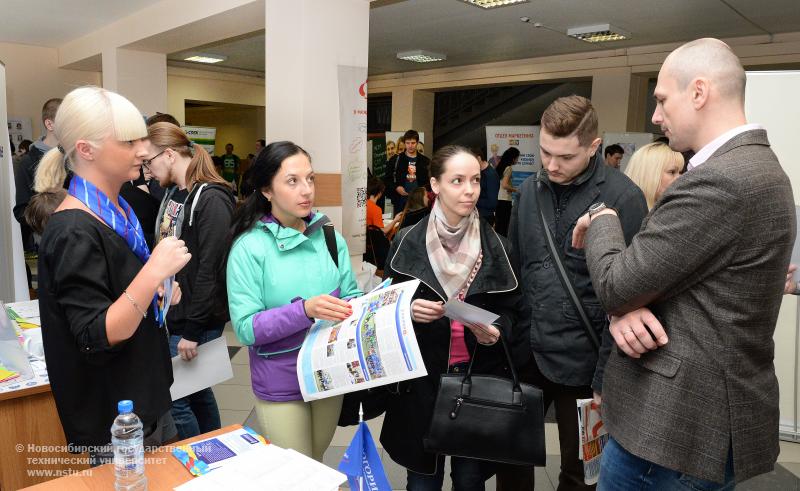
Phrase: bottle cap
pixel 125 407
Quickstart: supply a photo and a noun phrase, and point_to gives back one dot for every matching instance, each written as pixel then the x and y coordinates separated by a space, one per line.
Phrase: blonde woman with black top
pixel 99 283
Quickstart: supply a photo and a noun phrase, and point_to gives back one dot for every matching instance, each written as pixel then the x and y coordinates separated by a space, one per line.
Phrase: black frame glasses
pixel 146 162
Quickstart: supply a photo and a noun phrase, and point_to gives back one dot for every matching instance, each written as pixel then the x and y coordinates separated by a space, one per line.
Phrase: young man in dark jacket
pixel 410 170
pixel 565 364
pixel 25 171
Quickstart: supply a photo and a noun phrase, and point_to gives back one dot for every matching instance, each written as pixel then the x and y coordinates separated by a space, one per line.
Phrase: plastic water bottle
pixel 127 438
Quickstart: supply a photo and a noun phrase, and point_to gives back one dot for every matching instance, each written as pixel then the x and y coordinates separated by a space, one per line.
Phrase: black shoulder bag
pixel 562 272
pixel 488 418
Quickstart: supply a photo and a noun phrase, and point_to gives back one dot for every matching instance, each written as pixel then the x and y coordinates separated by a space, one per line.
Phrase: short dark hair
pixel 411 135
pixel 50 108
pixel 229 145
pixel 162 118
pixel 613 149
pixel 571 115
pixel 262 142
pixel 375 186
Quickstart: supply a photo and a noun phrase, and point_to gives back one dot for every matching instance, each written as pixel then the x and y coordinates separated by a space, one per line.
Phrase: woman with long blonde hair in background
pixel 653 168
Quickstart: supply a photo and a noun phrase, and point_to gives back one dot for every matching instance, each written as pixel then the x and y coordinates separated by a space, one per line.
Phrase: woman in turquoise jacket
pixel 280 276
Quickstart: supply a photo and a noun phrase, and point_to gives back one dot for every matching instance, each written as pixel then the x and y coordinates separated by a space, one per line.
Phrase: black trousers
pixel 520 478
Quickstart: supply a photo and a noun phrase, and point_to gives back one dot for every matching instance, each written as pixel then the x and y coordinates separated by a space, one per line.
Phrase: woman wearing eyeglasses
pixel 197 208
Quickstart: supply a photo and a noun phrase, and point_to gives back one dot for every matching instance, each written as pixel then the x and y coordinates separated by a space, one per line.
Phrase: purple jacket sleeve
pixel 282 327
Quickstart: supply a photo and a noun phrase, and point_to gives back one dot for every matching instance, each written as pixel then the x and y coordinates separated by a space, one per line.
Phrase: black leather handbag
pixel 488 417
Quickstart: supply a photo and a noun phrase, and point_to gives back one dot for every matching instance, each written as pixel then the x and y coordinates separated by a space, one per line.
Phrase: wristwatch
pixel 595 209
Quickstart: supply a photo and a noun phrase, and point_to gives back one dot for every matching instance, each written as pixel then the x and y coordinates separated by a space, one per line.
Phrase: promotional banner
pixel 19 129
pixel 204 136
pixel 353 134
pixel 524 138
pixel 13 280
pixel 630 142
pixel 377 156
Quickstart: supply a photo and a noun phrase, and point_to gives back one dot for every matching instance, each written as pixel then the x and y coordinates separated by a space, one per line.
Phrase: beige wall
pixel 234 125
pixel 33 76
pixel 195 85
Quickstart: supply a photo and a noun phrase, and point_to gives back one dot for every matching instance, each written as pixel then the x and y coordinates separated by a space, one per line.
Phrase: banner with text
pixel 353 134
pixel 524 138
pixel 204 136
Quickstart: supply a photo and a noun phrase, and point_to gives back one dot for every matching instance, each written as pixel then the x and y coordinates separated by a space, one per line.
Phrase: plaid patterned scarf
pixel 452 251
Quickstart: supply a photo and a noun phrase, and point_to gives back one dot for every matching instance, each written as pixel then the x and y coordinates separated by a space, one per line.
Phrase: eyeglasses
pixel 146 162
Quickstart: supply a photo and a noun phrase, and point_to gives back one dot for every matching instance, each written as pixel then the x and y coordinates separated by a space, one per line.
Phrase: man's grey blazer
pixel 710 262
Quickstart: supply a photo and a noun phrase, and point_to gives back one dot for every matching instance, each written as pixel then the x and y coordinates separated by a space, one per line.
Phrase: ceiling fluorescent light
pixel 206 58
pixel 598 34
pixel 421 56
pixel 491 4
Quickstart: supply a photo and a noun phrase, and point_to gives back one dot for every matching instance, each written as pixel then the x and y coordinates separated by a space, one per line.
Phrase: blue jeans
pixel 467 475
pixel 620 470
pixel 196 413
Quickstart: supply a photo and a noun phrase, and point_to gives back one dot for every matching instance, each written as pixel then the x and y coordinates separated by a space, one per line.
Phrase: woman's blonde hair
pixel 92 114
pixel 201 168
pixel 648 164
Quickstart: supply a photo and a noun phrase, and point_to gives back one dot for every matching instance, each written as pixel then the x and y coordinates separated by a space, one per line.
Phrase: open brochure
pixel 593 437
pixel 375 346
pixel 209 454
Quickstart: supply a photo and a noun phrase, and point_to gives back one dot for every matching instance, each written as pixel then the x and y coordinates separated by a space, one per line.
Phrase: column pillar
pixel 306 43
pixel 413 109
pixel 139 76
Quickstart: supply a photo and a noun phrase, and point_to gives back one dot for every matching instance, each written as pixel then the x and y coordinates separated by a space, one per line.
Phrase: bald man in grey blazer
pixel 690 397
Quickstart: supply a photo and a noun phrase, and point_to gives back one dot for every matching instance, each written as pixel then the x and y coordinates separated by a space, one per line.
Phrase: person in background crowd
pixel 506 189
pixel 410 171
pixel 230 165
pixel 417 207
pixel 613 155
pixel 25 169
pixel 704 275
pixel 24 147
pixel 42 206
pixel 401 146
pixel 565 362
pixel 494 160
pixel 260 145
pixel 490 187
pixel 375 189
pixel 390 150
pixel 281 276
pixel 420 147
pixel 456 255
pixel 162 118
pixel 98 282
pixel 653 168
pixel 197 206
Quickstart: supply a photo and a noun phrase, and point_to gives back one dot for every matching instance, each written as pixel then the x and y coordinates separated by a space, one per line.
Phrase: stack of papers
pixel 268 467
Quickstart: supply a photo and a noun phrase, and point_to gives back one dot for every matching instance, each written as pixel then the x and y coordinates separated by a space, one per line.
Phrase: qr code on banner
pixel 361 197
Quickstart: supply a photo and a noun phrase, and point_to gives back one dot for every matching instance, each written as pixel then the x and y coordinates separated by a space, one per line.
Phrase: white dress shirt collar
pixel 708 150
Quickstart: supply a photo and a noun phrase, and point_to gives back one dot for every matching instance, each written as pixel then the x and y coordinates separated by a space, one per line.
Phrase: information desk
pixel 163 471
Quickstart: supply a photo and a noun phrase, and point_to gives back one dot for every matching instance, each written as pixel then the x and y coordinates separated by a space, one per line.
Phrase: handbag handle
pixel 562 273
pixel 466 382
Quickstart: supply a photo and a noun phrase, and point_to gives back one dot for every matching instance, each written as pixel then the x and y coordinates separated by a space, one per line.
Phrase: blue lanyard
pixel 126 226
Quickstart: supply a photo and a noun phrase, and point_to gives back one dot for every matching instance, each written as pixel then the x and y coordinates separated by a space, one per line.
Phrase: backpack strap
pixel 330 241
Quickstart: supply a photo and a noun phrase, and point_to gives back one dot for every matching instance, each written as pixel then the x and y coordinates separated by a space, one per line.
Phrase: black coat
pixel 560 345
pixel 495 288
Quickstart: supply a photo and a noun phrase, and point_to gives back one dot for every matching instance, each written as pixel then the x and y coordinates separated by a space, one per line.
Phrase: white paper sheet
pixel 211 366
pixel 268 468
pixel 468 314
